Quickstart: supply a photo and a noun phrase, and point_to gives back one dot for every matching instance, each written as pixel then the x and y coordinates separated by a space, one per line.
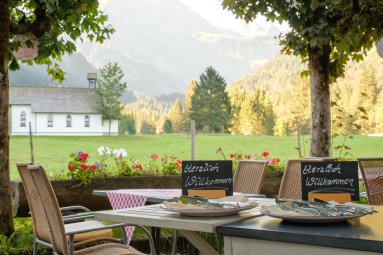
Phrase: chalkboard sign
pixel 330 177
pixel 207 175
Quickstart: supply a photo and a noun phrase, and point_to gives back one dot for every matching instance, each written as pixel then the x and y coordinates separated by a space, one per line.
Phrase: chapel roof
pixel 55 99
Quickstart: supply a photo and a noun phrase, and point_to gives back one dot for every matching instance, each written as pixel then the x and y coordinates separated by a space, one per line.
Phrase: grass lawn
pixel 53 152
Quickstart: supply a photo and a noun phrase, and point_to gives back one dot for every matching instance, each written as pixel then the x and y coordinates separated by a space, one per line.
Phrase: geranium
pixel 274 164
pixel 80 169
pixel 104 153
pixel 120 153
pixel 154 156
pixel 265 154
pixel 129 169
pixel 171 165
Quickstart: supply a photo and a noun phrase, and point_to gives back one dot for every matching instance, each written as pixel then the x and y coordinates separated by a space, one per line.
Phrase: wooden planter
pixel 70 192
pixel 272 183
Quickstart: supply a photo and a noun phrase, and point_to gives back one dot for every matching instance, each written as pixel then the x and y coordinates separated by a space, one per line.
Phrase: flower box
pixel 272 183
pixel 70 192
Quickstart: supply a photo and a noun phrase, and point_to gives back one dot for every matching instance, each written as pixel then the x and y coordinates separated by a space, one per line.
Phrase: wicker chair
pixel 291 185
pixel 249 176
pixel 59 233
pixel 372 173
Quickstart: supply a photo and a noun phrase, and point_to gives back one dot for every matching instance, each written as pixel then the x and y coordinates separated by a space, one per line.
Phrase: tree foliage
pixel 325 33
pixel 56 25
pixel 110 88
pixel 210 106
pixel 175 116
pixel 187 105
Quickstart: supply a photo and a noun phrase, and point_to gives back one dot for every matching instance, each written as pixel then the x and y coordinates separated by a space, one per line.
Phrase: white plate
pixel 308 219
pixel 206 212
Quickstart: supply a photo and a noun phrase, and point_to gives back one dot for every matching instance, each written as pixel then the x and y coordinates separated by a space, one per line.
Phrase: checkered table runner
pixel 127 198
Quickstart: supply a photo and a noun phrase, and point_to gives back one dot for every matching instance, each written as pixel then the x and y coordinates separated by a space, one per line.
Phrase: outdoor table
pixel 267 235
pixel 153 215
pixel 128 198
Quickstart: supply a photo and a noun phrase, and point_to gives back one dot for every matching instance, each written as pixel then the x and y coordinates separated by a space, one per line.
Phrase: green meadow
pixel 53 152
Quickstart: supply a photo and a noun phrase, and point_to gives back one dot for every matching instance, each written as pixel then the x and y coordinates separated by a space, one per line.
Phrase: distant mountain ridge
pixel 161 46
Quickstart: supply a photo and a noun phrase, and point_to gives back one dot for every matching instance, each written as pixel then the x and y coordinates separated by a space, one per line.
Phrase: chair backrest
pixel 372 173
pixel 51 209
pixel 40 223
pixel 249 176
pixel 291 184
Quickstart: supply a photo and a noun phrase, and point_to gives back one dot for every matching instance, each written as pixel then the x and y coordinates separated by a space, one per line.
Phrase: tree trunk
pixel 319 60
pixel 6 222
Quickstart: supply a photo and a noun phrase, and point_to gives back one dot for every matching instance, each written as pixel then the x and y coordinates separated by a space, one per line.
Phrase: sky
pixel 213 12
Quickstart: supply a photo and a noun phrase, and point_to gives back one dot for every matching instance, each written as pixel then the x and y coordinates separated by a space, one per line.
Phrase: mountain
pixel 75 66
pixel 162 45
pixel 278 74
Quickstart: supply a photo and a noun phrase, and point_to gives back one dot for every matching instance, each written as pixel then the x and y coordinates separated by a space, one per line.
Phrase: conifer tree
pixel 368 98
pixel 236 98
pixel 110 88
pixel 256 115
pixel 175 116
pixel 188 96
pixel 211 107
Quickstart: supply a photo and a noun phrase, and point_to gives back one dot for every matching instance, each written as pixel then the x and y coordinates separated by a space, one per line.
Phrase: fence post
pixel 192 131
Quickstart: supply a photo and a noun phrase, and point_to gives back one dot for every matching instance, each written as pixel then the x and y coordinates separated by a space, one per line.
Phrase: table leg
pixel 198 242
pixel 156 234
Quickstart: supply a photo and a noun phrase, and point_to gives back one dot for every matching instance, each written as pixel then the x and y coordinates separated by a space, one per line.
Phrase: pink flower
pixel 265 154
pixel 270 161
pixel 154 156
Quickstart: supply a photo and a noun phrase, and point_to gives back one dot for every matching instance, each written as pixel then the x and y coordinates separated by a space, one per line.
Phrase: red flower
pixel 84 156
pixel 247 156
pixel 265 154
pixel 154 156
pixel 83 166
pixel 179 164
pixel 276 161
pixel 218 150
pixel 137 166
pixel 232 155
pixel 70 168
pixel 92 168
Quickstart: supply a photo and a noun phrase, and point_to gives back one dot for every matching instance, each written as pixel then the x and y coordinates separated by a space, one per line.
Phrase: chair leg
pixel 71 244
pixel 174 249
pixel 34 246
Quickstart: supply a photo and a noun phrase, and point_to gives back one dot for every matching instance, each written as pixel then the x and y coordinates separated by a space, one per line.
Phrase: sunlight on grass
pixel 53 152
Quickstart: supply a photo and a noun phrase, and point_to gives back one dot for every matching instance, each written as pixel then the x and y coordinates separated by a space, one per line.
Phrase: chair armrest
pixel 85 230
pixel 77 217
pixel 75 207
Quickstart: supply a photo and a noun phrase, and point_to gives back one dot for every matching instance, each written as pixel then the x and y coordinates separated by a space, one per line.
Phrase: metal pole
pixel 31 144
pixel 192 131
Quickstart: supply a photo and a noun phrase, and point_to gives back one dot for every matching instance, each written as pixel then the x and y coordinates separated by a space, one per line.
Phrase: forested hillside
pixel 275 100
